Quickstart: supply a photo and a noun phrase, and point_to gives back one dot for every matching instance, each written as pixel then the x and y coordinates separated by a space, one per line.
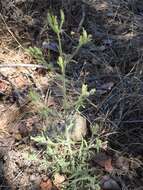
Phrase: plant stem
pixel 63 73
pixel 64 90
pixel 60 45
pixel 74 53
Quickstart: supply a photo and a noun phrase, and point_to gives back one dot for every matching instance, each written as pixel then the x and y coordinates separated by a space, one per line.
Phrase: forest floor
pixel 33 152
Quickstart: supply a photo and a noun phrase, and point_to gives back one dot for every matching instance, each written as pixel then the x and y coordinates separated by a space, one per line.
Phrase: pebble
pixel 79 129
pixel 108 183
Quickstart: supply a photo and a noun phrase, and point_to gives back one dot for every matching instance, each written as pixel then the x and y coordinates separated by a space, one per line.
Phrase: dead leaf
pixel 59 179
pixel 108 165
pixel 3 85
pixel 104 160
pixel 46 185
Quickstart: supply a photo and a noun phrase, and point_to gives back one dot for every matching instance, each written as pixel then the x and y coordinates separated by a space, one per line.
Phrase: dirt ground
pixel 111 63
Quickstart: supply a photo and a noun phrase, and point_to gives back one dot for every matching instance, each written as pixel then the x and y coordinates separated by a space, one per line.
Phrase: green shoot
pixel 37 54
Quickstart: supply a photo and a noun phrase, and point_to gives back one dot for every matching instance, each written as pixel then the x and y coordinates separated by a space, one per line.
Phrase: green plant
pixel 62 154
pixel 37 54
pixel 82 97
pixel 67 157
pixel 64 60
pixel 40 105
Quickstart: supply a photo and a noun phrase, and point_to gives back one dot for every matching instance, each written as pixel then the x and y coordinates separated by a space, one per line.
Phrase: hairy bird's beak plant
pixel 73 159
pixel 62 61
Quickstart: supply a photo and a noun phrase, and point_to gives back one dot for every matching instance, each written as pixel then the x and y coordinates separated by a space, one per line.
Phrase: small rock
pixel 79 129
pixel 108 183
pixel 104 160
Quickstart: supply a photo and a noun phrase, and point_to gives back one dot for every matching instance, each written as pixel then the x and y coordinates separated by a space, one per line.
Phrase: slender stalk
pixel 64 91
pixel 60 45
pixel 74 53
pixel 8 65
pixel 63 73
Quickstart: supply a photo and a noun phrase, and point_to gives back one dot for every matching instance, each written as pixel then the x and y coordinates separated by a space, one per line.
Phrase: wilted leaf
pixel 105 161
pixel 108 165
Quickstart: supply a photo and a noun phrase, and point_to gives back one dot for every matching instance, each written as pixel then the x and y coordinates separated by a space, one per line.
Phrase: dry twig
pixel 22 65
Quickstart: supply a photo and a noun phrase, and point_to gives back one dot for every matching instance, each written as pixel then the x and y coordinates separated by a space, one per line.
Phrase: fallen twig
pixel 23 65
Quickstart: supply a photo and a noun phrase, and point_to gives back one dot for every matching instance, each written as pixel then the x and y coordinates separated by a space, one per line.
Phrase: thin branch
pixel 22 65
pixel 132 121
pixel 82 19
